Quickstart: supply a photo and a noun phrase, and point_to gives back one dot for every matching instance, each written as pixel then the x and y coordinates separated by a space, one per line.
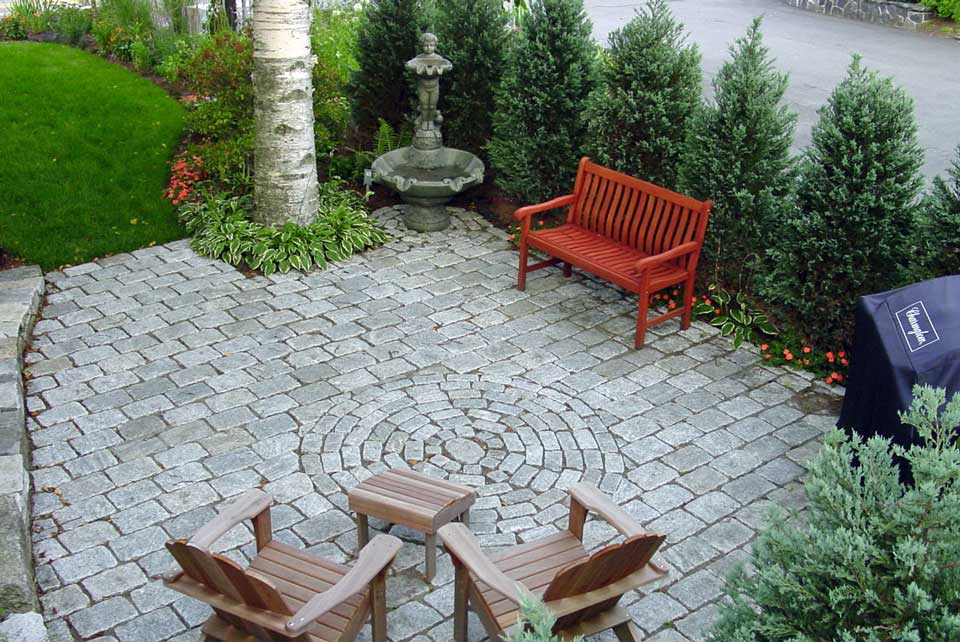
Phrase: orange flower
pixel 764 346
pixel 841 354
pixel 716 311
pixel 830 357
pixel 676 293
pixel 767 356
pixel 707 301
pixel 829 379
pixel 788 357
pixel 806 349
pixel 786 351
pixel 540 223
pixel 836 376
pixel 844 361
pixel 672 304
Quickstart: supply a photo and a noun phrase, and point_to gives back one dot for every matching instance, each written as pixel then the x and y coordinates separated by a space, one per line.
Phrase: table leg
pixel 431 546
pixel 363 531
pixel 465 517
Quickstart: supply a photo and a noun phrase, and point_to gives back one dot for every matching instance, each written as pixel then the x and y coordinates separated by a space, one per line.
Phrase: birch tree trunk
pixel 285 166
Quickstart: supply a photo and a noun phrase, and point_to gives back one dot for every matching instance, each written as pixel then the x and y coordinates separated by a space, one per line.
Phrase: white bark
pixel 285 166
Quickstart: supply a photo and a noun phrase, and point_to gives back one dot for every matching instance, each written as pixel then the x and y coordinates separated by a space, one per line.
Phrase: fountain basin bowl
pixel 428 180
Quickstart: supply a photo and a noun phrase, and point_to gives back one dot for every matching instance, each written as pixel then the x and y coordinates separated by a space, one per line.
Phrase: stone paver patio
pixel 162 384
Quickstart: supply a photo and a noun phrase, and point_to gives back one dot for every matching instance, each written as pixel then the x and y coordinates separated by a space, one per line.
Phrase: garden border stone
pixel 21 290
pixel 891 13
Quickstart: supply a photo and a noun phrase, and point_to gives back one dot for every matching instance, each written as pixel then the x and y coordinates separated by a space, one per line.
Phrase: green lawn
pixel 84 153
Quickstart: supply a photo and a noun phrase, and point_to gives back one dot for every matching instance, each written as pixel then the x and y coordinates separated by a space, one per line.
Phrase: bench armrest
pixel 374 559
pixel 592 499
pixel 463 546
pixel 250 505
pixel 529 210
pixel 669 255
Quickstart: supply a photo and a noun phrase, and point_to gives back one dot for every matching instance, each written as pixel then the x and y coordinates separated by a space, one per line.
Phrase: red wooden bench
pixel 632 233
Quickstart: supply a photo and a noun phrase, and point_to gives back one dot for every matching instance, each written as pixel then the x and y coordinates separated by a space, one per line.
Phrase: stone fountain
pixel 427 175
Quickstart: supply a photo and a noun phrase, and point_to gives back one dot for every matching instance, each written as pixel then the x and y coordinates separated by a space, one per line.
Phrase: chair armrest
pixel 249 505
pixel 669 255
pixel 593 499
pixel 462 545
pixel 375 557
pixel 529 210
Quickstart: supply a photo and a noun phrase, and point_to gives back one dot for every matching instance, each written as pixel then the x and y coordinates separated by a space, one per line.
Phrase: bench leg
pixel 567 269
pixel 431 546
pixel 688 306
pixel 628 632
pixel 522 272
pixel 642 307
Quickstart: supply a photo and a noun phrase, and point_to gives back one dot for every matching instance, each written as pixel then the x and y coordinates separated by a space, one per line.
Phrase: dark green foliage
pixel 474 36
pixel 738 155
pixel 539 124
pixel 71 24
pixel 856 208
pixel 870 560
pixel 382 86
pixel 640 114
pixel 938 235
pixel 221 228
pixel 945 8
pixel 333 36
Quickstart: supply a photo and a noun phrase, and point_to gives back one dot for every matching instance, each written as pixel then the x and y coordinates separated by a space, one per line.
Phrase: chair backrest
pixel 639 214
pixel 603 568
pixel 222 575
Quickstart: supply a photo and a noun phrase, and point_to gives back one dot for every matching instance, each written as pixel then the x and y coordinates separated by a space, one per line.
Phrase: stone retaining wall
pixel 895 14
pixel 20 292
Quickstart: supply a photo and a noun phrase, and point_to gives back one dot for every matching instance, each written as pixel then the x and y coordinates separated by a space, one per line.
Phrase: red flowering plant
pixel 830 365
pixel 186 173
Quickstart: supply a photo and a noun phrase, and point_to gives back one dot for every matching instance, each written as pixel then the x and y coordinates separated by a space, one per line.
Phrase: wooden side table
pixel 413 500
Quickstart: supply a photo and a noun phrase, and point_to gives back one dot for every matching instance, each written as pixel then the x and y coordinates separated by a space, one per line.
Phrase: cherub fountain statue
pixel 427 175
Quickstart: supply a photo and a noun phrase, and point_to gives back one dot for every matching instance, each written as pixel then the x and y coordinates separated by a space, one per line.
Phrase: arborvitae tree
pixel 938 235
pixel 651 88
pixel 875 561
pixel 474 36
pixel 856 208
pixel 539 125
pixel 738 155
pixel 382 87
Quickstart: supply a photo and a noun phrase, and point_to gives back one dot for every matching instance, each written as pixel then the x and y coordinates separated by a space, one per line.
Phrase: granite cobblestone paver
pixel 161 384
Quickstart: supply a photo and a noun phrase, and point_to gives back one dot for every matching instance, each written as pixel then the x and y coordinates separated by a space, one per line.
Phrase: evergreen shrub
pixel 870 559
pixel 650 90
pixel 738 155
pixel 382 87
pixel 851 231
pixel 474 36
pixel 938 235
pixel 539 124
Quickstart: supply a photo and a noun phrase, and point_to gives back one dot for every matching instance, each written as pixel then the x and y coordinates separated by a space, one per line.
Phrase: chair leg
pixel 378 607
pixel 688 305
pixel 460 589
pixel 430 544
pixel 522 273
pixel 628 632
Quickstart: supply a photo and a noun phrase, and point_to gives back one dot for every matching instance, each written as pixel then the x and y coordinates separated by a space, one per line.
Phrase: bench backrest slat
pixel 639 214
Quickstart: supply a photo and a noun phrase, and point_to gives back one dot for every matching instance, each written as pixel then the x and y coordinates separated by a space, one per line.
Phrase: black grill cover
pixel 903 337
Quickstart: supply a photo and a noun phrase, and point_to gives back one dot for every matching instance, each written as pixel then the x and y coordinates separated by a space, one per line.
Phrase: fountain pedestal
pixel 427 175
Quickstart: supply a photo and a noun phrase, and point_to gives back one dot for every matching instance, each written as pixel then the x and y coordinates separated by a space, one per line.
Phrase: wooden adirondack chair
pixel 284 594
pixel 581 589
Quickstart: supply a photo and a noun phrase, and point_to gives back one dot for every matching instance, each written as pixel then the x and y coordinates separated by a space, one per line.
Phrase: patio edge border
pixel 903 15
pixel 21 291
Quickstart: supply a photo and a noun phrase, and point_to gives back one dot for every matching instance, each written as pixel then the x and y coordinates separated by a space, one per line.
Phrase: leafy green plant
pixel 222 229
pixel 738 155
pixel 872 560
pixel 651 85
pixel 536 622
pixel 850 233
pixel 12 28
pixel 333 35
pixel 938 234
pixel 71 24
pixel 351 167
pixel 945 8
pixel 381 86
pixel 787 349
pixel 35 16
pixel 539 124
pixel 474 36
pixel 140 55
pixel 735 316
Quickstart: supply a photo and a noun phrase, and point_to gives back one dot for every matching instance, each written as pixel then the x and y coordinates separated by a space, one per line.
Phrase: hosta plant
pixel 735 316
